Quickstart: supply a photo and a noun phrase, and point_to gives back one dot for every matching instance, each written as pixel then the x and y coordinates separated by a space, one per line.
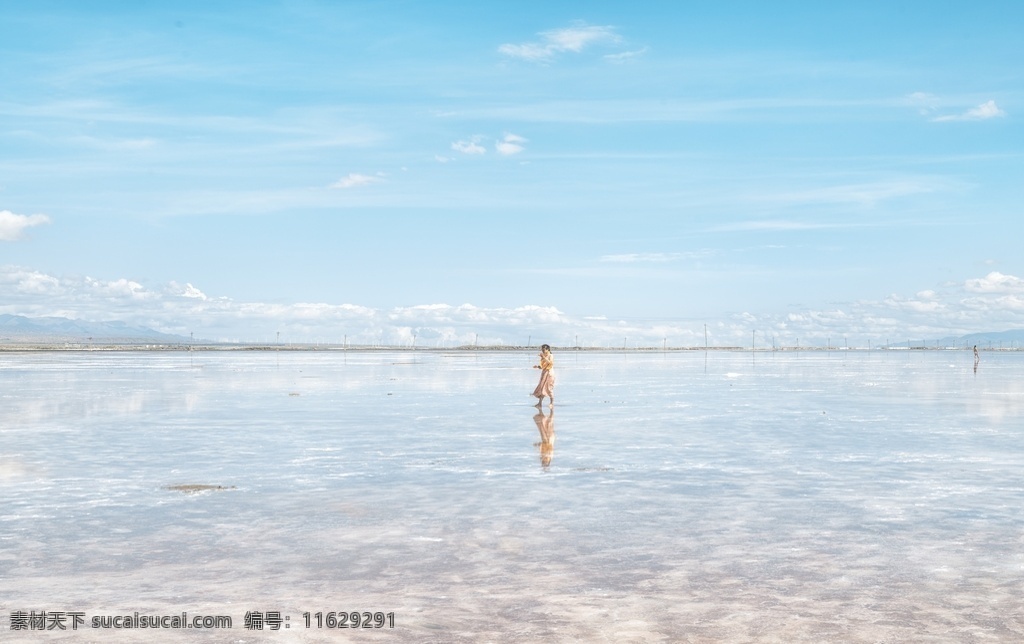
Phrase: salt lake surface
pixel 683 497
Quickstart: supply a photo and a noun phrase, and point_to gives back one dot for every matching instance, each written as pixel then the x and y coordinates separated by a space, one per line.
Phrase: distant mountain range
pixel 988 339
pixel 18 328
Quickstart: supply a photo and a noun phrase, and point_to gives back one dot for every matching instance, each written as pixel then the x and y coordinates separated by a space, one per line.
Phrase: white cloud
pixel 186 291
pixel 15 281
pixel 986 110
pixel 472 146
pixel 572 39
pixel 575 38
pixel 528 51
pixel 120 288
pixel 1000 304
pixel 355 180
pixel 995 282
pixel 921 305
pixel 12 226
pixel 510 144
pixel 993 302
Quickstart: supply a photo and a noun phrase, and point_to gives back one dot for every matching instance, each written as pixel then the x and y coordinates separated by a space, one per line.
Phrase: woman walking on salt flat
pixel 546 386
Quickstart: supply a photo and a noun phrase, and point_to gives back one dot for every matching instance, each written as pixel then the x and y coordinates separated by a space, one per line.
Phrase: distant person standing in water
pixel 546 386
pixel 976 356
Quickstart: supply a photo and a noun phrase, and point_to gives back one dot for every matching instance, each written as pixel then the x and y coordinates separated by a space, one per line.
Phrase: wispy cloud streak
pixel 355 180
pixel 572 39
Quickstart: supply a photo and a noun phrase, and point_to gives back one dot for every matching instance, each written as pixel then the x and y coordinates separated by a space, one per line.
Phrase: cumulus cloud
pixel 15 280
pixel 355 180
pixel 510 144
pixel 119 288
pixel 992 302
pixel 985 111
pixel 572 39
pixel 185 308
pixel 995 282
pixel 12 226
pixel 471 146
pixel 915 305
pixel 187 290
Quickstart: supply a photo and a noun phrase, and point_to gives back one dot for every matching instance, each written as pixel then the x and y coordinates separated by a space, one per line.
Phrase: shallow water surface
pixel 679 497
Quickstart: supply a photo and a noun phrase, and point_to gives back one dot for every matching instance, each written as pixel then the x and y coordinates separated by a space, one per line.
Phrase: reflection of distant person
pixel 546 386
pixel 546 427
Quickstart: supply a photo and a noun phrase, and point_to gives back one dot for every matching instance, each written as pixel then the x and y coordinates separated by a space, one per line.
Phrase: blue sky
pixel 575 171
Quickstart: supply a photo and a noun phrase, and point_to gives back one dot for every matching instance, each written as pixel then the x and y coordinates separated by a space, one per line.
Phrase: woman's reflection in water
pixel 546 427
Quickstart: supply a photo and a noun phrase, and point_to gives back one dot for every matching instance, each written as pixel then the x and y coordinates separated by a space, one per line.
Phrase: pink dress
pixel 546 386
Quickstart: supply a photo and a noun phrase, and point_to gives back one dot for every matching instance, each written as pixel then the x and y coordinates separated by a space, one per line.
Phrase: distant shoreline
pixel 72 347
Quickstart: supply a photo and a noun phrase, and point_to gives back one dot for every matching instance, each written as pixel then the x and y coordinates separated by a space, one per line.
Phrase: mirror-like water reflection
pixel 693 497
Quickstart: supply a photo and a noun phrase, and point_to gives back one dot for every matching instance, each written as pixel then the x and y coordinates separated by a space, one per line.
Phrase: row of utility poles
pixel 625 340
